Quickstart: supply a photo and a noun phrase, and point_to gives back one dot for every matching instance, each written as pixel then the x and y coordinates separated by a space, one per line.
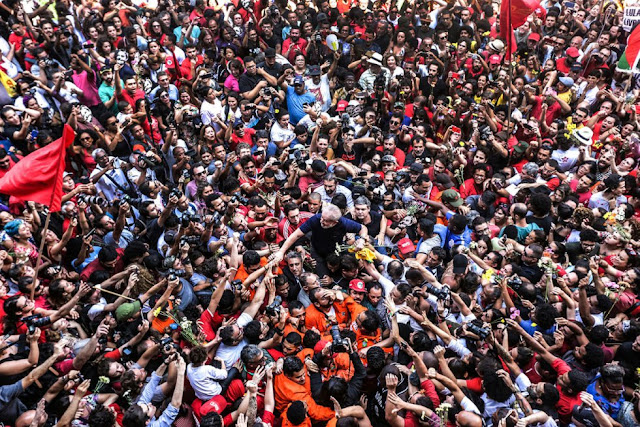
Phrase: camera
pixel 236 285
pixel 187 219
pixel 92 200
pixel 174 274
pixel 48 62
pixel 318 38
pixel 67 33
pixel 175 192
pixel 206 76
pixel 35 321
pixel 191 240
pixel 477 330
pixel 442 293
pixel 246 4
pixel 238 198
pixel 339 344
pixel 130 200
pixel 148 160
pixel 515 283
pixel 167 344
pixel 185 174
pixel 275 307
pixel 273 10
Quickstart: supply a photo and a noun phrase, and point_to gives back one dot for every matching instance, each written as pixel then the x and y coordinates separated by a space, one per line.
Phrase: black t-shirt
pixel 324 240
pixel 275 71
pixel 373 228
pixel 20 144
pixel 353 156
pixel 544 223
pixel 247 83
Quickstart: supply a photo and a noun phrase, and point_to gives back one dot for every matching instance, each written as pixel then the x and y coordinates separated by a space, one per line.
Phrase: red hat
pixel 342 105
pixel 406 246
pixel 573 52
pixel 320 345
pixel 494 59
pixel 217 404
pixel 357 285
pixel 534 36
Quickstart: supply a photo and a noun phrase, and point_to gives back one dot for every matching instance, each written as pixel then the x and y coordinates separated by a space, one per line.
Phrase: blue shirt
pixel 295 102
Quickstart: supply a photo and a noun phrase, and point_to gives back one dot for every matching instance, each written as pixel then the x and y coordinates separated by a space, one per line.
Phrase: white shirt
pixel 204 380
pixel 208 111
pixel 231 354
pixel 321 91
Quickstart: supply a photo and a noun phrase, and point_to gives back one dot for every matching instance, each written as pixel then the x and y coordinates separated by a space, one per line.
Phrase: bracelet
pixel 280 331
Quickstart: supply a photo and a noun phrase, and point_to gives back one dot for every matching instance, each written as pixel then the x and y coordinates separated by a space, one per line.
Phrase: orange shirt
pixel 287 391
pixel 346 312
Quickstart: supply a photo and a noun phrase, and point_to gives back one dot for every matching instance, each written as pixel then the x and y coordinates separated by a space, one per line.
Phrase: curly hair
pixel 582 215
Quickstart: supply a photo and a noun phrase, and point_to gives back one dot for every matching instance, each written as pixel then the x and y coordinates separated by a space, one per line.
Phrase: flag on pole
pixel 38 177
pixel 514 13
pixel 629 60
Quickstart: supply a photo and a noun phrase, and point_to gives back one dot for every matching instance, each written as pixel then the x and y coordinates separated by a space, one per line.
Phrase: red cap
pixel 534 36
pixel 406 246
pixel 320 345
pixel 342 105
pixel 217 404
pixel 357 285
pixel 494 59
pixel 573 52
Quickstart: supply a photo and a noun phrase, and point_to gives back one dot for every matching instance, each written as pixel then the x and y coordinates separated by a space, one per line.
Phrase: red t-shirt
pixel 566 403
pixel 131 99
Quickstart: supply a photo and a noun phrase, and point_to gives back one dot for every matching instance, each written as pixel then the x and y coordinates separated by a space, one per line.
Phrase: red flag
pixel 38 177
pixel 514 13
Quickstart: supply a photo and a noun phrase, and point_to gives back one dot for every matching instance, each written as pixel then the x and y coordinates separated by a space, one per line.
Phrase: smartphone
pixel 569 4
pixel 68 74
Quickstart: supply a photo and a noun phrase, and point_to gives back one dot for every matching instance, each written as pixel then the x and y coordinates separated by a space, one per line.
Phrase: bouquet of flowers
pixel 548 266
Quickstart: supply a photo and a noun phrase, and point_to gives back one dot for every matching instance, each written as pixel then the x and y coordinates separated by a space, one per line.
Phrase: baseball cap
pixel 314 70
pixel 106 68
pixel 567 81
pixel 416 167
pixel 521 147
pixel 398 105
pixel 270 53
pixel 127 310
pixel 573 52
pixel 342 105
pixel 298 80
pixel 322 17
pixel 534 36
pixel 451 197
pixel 388 159
pixel 406 246
pixel 460 264
pixel 217 404
pixel 494 59
pixel 357 285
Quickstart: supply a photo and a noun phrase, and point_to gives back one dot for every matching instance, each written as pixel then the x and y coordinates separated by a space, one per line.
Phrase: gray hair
pixel 249 353
pixel 98 151
pixel 292 255
pixel 362 201
pixel 531 169
pixel 333 212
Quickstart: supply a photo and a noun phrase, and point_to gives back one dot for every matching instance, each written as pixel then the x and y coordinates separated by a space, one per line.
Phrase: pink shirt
pixel 87 82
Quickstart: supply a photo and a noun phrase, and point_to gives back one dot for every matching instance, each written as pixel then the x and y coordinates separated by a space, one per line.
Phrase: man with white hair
pixel 326 229
pixel 108 176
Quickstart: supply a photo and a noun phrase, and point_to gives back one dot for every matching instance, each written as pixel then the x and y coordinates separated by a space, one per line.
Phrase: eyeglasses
pixel 86 138
pixel 394 122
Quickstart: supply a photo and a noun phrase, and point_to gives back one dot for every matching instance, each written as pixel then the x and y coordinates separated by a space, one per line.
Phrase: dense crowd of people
pixel 330 212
